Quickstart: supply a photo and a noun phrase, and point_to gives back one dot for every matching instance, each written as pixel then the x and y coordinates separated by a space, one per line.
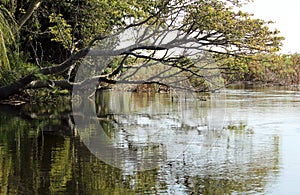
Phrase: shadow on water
pixel 42 153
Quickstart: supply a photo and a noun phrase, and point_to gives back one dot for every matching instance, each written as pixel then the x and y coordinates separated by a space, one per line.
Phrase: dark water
pixel 238 142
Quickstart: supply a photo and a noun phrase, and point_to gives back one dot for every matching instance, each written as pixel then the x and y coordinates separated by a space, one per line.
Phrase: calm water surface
pixel 236 142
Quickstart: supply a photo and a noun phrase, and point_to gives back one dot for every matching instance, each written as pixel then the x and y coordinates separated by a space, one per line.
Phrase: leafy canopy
pixel 58 30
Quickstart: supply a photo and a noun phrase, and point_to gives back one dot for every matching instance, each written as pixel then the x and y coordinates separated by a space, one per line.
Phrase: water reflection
pixel 41 152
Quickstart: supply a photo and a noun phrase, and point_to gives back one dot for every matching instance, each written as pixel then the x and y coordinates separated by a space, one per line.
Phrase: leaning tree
pixel 174 43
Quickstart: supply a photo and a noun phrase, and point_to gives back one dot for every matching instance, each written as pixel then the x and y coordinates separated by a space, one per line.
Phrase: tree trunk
pixel 19 85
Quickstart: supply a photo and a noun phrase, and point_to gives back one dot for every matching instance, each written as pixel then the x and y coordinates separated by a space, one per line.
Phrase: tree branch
pixel 20 84
pixel 32 7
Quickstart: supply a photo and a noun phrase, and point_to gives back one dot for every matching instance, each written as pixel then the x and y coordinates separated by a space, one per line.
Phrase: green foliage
pixel 19 69
pixel 113 65
pixel 72 24
pixel 103 17
pixel 62 31
pixel 8 35
pixel 275 69
pixel 236 30
pixel 232 68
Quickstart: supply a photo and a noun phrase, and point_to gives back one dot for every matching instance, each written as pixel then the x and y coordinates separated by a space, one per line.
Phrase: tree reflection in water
pixel 41 154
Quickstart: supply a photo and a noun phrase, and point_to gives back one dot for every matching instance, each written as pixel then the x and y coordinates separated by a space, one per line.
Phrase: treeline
pixel 266 69
pixel 275 69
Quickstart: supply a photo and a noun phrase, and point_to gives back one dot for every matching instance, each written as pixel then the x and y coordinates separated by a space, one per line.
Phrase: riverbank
pixel 259 84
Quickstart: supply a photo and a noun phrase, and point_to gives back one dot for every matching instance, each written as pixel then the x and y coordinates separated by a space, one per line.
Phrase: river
pixel 237 141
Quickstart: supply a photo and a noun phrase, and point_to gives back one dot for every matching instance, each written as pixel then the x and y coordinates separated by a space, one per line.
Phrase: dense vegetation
pixel 275 70
pixel 42 43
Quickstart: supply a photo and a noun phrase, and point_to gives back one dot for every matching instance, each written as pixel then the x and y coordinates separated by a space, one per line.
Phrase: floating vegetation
pixel 240 128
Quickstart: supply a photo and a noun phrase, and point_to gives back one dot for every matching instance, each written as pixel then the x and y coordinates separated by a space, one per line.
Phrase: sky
pixel 285 14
